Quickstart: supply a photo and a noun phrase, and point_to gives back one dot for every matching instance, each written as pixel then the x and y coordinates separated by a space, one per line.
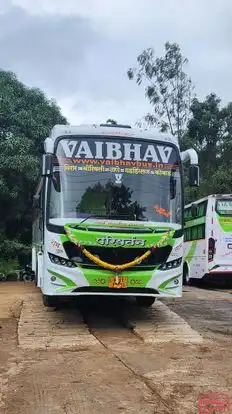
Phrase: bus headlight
pixel 61 261
pixel 171 265
pixel 55 260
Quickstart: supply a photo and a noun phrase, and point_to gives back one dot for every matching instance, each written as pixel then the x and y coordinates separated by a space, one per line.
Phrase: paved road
pixel 207 311
pixel 113 358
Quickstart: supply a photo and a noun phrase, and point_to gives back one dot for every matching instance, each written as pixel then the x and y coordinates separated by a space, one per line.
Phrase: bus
pixel 208 238
pixel 108 213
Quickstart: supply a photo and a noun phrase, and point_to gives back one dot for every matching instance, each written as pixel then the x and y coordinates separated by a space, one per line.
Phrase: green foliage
pixel 110 200
pixel 203 125
pixel 26 117
pixel 167 87
pixel 210 133
pixel 8 266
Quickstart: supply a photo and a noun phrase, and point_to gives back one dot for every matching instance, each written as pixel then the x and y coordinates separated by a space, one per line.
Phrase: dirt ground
pixel 110 357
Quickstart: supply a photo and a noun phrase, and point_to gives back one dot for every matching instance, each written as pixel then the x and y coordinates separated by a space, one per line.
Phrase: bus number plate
pixel 118 282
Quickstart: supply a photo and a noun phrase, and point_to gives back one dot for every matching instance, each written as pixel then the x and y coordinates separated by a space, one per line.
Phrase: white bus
pixel 108 214
pixel 208 237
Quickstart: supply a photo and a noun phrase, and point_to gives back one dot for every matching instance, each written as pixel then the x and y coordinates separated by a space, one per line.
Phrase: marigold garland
pixel 116 268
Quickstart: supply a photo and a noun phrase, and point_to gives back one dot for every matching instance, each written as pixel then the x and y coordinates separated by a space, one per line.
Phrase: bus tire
pixel 186 276
pixel 145 301
pixel 50 301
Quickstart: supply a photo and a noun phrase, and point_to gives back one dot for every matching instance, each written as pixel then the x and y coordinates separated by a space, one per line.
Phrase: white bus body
pixel 208 237
pixel 86 241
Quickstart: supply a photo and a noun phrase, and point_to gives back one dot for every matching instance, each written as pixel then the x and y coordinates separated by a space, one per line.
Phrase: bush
pixel 8 266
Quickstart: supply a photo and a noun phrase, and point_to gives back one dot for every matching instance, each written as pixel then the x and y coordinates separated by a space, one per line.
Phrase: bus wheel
pixel 50 301
pixel 145 301
pixel 186 277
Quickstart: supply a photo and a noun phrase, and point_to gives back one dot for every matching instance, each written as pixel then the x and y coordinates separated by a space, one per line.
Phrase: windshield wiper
pixel 92 216
pixel 104 216
pixel 152 230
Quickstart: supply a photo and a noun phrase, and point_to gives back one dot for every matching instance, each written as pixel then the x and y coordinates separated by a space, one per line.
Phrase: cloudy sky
pixel 78 51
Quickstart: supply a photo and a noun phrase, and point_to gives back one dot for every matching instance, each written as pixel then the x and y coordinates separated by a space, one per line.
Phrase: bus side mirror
pixel 47 165
pixel 193 176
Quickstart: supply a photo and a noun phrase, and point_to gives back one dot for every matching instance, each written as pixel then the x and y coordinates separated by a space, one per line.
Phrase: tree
pixel 207 129
pixel 210 133
pixel 168 88
pixel 108 200
pixel 26 117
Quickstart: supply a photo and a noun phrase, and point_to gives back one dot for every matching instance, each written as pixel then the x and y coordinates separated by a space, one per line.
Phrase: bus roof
pixel 207 197
pixel 109 130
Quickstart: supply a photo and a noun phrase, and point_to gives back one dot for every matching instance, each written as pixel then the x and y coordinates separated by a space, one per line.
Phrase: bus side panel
pixel 196 253
pixel 210 231
pixel 221 235
pixel 38 229
pixel 33 258
pixel 195 257
pixel 40 269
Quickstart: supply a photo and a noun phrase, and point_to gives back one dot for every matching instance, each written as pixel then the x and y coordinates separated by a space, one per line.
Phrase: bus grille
pixel 118 256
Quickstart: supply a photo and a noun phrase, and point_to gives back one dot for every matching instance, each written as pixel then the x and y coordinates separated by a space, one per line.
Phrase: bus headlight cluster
pixel 171 265
pixel 61 261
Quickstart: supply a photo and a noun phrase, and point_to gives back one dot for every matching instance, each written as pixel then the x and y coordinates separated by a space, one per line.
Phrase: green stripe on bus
pixel 69 282
pixel 163 285
pixel 191 252
pixel 225 223
pixel 100 278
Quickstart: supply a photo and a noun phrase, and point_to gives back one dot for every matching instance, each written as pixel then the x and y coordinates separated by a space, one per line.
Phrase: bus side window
pixel 201 231
pixel 187 234
pixel 194 232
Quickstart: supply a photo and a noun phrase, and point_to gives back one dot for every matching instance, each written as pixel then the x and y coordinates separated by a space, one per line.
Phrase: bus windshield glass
pixel 224 207
pixel 116 178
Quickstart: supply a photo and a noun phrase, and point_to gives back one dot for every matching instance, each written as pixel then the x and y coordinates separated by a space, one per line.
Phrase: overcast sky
pixel 78 51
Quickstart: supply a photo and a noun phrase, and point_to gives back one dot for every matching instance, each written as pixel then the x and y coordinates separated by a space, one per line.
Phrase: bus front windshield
pixel 116 178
